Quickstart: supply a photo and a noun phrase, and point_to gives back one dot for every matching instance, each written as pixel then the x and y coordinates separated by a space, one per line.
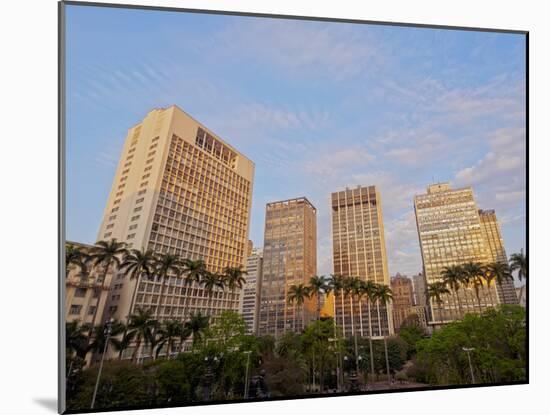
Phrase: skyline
pixel 334 87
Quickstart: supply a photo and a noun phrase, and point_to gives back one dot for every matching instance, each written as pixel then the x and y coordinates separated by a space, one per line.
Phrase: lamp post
pixel 337 354
pixel 247 352
pixel 107 331
pixel 468 350
pixel 208 376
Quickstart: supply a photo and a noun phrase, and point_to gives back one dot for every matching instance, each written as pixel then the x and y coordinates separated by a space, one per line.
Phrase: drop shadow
pixel 48 403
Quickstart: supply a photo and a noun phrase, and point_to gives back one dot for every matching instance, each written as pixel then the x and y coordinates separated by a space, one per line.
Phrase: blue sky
pixel 317 106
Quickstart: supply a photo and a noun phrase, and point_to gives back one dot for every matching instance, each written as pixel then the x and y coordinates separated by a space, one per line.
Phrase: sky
pixel 318 107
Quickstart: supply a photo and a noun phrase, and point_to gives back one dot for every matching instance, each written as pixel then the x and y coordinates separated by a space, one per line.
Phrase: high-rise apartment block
pixel 178 189
pixel 359 250
pixel 251 290
pixel 493 239
pixel 290 258
pixel 419 289
pixel 402 291
pixel 451 233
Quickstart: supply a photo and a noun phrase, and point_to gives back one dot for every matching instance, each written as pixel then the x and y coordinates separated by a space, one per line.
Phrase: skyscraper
pixel 402 290
pixel 178 189
pixel 251 290
pixel 359 250
pixel 419 289
pixel 493 238
pixel 290 258
pixel 450 233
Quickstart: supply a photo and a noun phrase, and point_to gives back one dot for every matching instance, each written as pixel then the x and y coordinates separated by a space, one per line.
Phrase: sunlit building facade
pixel 402 291
pixel 290 258
pixel 178 189
pixel 359 250
pixel 450 233
pixel 251 290
pixel 493 238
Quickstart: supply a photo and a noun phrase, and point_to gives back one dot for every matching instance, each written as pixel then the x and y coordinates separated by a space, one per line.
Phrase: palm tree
pixel 234 278
pixel 142 326
pixel 124 342
pixel 210 281
pixel 384 295
pixel 337 286
pixel 476 273
pixel 106 254
pixel 74 256
pixel 317 287
pixel 477 283
pixel 76 340
pixel 519 262
pixel 452 277
pixel 370 290
pixel 348 292
pixel 98 343
pixel 196 325
pixel 435 291
pixel 168 332
pixel 135 264
pixel 297 294
pixel 194 270
pixel 498 271
pixel 166 265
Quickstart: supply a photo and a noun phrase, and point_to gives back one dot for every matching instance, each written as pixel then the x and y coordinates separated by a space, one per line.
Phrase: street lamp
pixel 107 331
pixel 247 352
pixel 468 350
pixel 337 354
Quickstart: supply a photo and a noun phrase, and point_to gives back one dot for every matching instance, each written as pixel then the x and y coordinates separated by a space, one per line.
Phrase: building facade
pixel 251 290
pixel 85 291
pixel 493 239
pixel 450 233
pixel 402 291
pixel 290 257
pixel 178 189
pixel 359 250
pixel 419 289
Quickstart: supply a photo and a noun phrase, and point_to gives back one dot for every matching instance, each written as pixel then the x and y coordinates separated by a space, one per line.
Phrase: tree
pixel 498 271
pixel 76 340
pixel 452 277
pixel 74 256
pixel 317 287
pixel 384 295
pixel 169 331
pixel 196 324
pixel 142 325
pixel 435 291
pixel 475 273
pixel 297 294
pixel 234 278
pixel 518 262
pixel 135 264
pixel 106 254
pixel 336 284
pixel 370 290
pixel 166 265
pixel 210 281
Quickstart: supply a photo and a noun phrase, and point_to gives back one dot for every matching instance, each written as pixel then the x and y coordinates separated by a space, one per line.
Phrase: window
pixel 116 202
pixel 113 217
pixel 123 178
pixel 132 227
pixel 121 186
pixel 114 210
pixel 75 309
pixel 80 292
pixel 91 310
pixel 107 234
pixel 138 208
pixel 148 168
pixel 134 218
pixel 155 139
pixel 110 226
pixel 125 171
pixel 131 150
pixel 150 160
pixel 152 153
pixel 131 156
pixel 142 192
pixel 140 200
pixel 119 194
pixel 143 184
pixel 146 175
pixel 131 236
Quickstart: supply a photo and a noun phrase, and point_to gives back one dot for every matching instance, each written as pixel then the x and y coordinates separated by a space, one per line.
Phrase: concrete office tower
pixel 290 258
pixel 359 250
pixel 493 238
pixel 450 233
pixel 178 189
pixel 251 290
pixel 402 290
pixel 419 289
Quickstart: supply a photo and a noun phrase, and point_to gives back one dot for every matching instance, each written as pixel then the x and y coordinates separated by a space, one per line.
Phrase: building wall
pixel 402 290
pixel 84 292
pixel 450 233
pixel 290 257
pixel 419 289
pixel 179 189
pixel 359 250
pixel 493 238
pixel 251 290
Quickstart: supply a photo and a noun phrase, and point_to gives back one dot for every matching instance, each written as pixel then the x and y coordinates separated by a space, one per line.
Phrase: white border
pixel 29 204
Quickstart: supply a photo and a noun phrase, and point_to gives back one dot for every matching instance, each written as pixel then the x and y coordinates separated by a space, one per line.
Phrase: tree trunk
pixel 360 317
pixel 387 359
pixel 370 341
pixel 135 353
